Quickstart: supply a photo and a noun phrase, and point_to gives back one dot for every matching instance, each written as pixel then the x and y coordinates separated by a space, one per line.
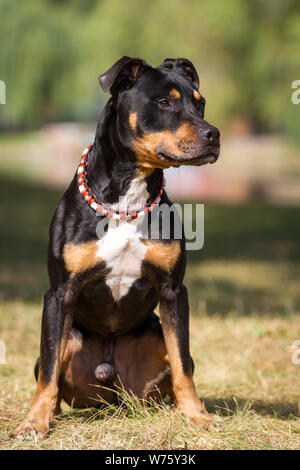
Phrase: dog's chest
pixel 121 247
pixel 123 252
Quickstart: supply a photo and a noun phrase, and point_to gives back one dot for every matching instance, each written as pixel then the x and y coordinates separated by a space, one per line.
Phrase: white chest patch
pixel 121 247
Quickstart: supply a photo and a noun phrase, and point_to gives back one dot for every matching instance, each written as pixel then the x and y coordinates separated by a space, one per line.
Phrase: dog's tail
pixel 105 371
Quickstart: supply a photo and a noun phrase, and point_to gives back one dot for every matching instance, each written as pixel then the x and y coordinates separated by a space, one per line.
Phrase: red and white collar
pixel 106 209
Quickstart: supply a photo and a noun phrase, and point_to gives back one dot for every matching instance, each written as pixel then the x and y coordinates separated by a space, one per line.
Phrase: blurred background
pixel 247 56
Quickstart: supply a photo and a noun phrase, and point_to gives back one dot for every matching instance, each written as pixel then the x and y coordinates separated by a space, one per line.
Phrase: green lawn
pixel 245 298
pixel 250 261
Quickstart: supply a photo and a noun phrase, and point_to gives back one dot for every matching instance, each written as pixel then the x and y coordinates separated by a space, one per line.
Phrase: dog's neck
pixel 113 171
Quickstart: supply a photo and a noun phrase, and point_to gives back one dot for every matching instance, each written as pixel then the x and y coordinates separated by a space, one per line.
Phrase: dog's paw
pixel 199 416
pixel 30 429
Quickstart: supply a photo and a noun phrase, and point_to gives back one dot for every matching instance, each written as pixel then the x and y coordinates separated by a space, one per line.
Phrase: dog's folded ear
pixel 123 74
pixel 182 65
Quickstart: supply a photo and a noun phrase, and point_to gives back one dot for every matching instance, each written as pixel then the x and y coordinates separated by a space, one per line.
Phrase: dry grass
pixel 243 372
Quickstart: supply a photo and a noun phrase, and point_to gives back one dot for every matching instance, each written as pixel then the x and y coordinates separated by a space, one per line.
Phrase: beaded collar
pixel 106 209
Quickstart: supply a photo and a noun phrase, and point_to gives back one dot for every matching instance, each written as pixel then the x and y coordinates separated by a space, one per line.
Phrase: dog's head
pixel 160 113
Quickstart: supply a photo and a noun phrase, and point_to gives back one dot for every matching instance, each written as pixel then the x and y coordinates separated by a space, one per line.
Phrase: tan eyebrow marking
pixel 174 94
pixel 197 95
pixel 133 121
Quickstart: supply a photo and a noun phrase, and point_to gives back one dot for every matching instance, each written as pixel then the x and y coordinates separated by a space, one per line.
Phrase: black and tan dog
pixel 98 323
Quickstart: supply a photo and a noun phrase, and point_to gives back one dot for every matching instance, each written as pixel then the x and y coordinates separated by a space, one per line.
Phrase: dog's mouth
pixel 209 157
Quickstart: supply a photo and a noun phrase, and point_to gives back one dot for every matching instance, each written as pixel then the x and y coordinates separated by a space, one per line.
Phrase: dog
pixel 98 324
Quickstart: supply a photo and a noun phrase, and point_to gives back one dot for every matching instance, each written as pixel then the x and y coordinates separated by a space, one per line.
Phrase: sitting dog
pixel 98 324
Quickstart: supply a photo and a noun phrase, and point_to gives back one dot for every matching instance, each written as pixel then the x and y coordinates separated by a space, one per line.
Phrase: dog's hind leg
pixel 142 362
pixel 78 384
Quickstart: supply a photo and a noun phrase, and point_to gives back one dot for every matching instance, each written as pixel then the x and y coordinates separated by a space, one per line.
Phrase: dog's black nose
pixel 211 133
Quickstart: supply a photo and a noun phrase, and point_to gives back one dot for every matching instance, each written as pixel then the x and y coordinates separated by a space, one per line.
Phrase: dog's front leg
pixel 174 312
pixel 56 326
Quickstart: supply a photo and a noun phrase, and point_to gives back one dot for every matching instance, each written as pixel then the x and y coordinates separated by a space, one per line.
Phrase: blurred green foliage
pixel 246 52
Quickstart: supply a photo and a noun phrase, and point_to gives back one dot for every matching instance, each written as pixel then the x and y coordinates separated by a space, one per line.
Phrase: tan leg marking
pixel 44 407
pixel 183 385
pixel 81 257
pixel 46 401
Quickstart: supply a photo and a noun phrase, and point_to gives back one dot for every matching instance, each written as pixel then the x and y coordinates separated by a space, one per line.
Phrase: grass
pixel 244 373
pixel 245 296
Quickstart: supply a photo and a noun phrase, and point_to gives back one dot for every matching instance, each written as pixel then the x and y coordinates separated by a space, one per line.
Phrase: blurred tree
pixel 247 54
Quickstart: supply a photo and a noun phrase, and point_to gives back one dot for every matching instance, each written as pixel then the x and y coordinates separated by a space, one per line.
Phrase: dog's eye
pixel 164 103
